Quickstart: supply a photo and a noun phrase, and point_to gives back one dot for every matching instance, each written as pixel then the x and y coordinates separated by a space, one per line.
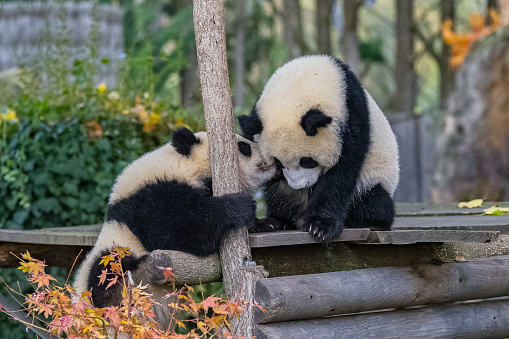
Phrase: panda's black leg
pixel 112 296
pixel 374 210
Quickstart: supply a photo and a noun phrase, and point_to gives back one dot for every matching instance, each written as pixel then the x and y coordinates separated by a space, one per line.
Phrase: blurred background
pixel 86 87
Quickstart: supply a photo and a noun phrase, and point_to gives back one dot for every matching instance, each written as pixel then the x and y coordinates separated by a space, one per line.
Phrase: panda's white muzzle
pixel 302 177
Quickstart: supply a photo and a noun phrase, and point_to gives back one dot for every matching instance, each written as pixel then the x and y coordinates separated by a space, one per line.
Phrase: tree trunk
pixel 209 29
pixel 473 148
pixel 504 12
pixel 350 41
pixel 292 28
pixel 405 74
pixel 446 74
pixel 323 15
pixel 240 35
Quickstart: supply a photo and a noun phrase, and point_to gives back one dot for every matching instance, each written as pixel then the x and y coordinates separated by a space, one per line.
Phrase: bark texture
pixel 212 64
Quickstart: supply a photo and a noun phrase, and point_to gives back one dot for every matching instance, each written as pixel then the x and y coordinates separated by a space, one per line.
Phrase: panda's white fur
pixel 382 161
pixel 164 162
pixel 178 174
pixel 309 108
pixel 314 82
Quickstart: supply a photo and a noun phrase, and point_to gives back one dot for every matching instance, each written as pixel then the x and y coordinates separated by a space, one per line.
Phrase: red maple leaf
pixel 209 302
pixel 102 277
pixel 168 272
pixel 112 281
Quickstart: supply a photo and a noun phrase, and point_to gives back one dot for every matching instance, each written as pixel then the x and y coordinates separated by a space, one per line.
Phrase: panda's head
pixel 255 169
pixel 298 118
pixel 186 160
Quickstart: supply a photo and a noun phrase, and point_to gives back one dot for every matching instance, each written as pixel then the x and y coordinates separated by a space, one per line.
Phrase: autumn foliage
pixel 460 42
pixel 64 313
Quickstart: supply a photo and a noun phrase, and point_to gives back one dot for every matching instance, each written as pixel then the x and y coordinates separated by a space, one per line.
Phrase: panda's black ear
pixel 183 140
pixel 251 124
pixel 313 120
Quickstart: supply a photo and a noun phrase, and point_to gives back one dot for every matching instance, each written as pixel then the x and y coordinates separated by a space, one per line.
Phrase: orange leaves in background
pixel 460 42
pixel 149 120
pixel 94 130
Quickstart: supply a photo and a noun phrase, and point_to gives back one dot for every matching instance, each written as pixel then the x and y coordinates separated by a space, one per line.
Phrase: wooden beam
pixel 317 258
pixel 317 295
pixel 87 235
pixel 485 319
pixel 498 223
pixel 61 236
pixel 284 238
pixel 402 237
pixel 443 208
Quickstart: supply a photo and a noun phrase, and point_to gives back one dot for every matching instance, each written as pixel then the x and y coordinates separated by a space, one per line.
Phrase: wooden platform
pixel 416 224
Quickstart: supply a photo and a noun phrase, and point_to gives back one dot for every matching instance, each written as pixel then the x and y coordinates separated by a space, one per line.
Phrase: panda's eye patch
pixel 307 162
pixel 245 148
pixel 279 165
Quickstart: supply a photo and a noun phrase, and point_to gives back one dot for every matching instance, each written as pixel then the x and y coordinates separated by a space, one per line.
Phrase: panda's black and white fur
pixel 336 154
pixel 164 201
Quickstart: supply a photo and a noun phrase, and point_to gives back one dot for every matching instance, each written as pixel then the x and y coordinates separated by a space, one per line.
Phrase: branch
pixel 428 44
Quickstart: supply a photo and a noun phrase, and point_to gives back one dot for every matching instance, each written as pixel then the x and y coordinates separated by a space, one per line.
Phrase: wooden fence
pixel 415 137
pixel 28 29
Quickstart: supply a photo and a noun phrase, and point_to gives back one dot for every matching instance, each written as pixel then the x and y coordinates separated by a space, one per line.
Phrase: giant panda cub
pixel 336 155
pixel 164 201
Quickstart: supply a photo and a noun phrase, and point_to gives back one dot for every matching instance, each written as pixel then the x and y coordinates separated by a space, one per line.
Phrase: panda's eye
pixel 245 148
pixel 307 162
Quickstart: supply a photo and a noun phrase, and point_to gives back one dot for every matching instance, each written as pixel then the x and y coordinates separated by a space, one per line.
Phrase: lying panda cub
pixel 163 200
pixel 336 154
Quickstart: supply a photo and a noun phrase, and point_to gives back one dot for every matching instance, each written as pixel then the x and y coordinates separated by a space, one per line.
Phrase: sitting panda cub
pixel 335 153
pixel 164 201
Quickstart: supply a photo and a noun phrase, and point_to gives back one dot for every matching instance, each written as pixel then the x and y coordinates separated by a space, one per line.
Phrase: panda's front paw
pixel 241 209
pixel 323 229
pixel 265 225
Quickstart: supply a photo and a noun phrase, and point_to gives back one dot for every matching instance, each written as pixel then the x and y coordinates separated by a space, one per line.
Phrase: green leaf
pixel 20 216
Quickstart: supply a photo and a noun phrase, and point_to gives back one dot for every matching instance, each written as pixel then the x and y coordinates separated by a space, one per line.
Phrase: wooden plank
pixel 87 236
pixel 318 258
pixel 471 223
pixel 402 237
pixel 65 236
pixel 293 237
pixel 317 295
pixel 443 208
pixel 484 319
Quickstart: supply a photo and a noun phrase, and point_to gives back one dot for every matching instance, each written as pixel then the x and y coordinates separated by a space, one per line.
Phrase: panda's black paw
pixel 240 209
pixel 322 229
pixel 265 225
